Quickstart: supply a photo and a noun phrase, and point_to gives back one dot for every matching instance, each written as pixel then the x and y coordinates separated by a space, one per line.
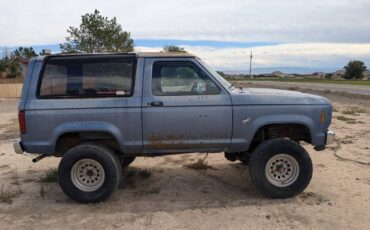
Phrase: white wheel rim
pixel 282 170
pixel 87 175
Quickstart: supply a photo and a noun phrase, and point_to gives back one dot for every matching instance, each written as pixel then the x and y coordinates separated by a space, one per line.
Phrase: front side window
pixel 87 77
pixel 173 78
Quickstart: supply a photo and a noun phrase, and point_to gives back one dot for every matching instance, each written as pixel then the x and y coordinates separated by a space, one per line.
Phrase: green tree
pixel 3 64
pixel 97 33
pixel 328 76
pixel 221 73
pixel 24 52
pixel 4 61
pixel 173 49
pixel 354 70
pixel 14 69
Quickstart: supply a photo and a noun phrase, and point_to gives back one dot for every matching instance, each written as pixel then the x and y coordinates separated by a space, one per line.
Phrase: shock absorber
pixel 272 132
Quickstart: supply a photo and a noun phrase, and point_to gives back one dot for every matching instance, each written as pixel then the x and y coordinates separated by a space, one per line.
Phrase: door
pixel 183 107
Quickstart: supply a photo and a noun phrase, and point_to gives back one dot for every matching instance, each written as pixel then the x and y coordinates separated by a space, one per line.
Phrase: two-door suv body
pixel 100 111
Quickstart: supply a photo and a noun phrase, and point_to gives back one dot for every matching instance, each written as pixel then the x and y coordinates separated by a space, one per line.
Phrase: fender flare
pixel 87 126
pixel 262 121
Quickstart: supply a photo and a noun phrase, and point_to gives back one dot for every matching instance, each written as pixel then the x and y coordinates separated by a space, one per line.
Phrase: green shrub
pixel 50 176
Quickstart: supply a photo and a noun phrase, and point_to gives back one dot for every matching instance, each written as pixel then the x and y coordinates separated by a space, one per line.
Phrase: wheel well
pixel 71 139
pixel 296 132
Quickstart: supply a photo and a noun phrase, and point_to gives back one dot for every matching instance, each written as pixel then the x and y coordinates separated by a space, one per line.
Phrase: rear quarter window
pixel 87 77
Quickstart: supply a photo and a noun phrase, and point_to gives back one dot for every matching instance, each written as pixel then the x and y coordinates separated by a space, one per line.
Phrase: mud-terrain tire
pixel 280 168
pixel 89 173
pixel 126 160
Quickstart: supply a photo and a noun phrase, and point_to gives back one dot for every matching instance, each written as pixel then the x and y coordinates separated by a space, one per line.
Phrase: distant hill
pixel 287 70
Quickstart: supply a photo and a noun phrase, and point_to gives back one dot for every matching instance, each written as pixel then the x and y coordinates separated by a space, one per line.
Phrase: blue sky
pixel 310 34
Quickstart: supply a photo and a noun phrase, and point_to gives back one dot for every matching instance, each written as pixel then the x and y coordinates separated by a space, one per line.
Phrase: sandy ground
pixel 177 197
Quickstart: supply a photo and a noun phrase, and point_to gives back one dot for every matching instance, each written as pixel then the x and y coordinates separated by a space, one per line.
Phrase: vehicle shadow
pixel 156 187
pixel 180 188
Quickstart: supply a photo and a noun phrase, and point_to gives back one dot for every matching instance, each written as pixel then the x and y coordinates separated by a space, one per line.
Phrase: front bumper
pixel 330 137
pixel 18 147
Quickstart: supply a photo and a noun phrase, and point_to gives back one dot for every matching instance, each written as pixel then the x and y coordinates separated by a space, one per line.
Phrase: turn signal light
pixel 322 117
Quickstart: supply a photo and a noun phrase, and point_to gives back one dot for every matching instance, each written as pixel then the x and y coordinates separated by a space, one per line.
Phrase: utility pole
pixel 250 66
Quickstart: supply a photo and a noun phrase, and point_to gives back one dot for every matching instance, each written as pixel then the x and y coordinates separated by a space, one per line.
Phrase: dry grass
pixel 131 175
pixel 4 166
pixel 42 191
pixel 7 195
pixel 200 164
pixel 14 177
pixel 134 172
pixel 348 120
pixel 349 112
pixel 50 176
pixel 359 110
pixel 354 111
pixel 293 88
pixel 154 190
pixel 145 173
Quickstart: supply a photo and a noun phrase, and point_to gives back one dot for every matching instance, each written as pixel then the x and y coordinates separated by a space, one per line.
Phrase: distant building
pixel 367 75
pixel 339 74
pixel 277 74
pixel 318 75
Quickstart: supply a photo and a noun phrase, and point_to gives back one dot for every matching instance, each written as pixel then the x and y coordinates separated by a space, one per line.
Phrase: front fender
pixel 317 133
pixel 248 120
pixel 279 119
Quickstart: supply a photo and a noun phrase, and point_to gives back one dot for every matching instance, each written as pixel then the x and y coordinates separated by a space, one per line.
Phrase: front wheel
pixel 280 168
pixel 89 173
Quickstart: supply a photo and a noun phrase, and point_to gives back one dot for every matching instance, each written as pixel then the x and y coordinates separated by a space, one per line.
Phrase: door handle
pixel 156 103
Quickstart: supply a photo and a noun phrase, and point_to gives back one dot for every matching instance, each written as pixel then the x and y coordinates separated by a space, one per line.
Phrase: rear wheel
pixel 280 168
pixel 89 173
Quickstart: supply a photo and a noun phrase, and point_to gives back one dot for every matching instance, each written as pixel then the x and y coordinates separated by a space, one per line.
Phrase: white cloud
pixel 284 55
pixel 42 22
pixel 315 33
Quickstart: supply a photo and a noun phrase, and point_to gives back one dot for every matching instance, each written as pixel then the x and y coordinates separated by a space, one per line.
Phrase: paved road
pixel 352 89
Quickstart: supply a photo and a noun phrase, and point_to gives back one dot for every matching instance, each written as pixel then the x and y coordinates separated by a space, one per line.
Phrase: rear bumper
pixel 330 137
pixel 18 148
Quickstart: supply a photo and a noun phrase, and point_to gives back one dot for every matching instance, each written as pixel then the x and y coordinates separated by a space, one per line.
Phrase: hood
pixel 253 96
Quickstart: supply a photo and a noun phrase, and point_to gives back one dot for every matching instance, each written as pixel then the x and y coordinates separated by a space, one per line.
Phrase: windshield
pixel 218 77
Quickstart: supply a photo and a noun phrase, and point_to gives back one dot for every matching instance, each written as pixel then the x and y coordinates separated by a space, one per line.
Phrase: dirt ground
pixel 160 193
